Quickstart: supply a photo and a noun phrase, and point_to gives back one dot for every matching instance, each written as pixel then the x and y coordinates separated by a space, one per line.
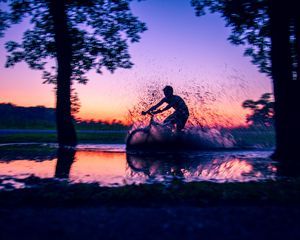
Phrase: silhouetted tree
pixel 80 35
pixel 270 29
pixel 65 159
pixel 262 114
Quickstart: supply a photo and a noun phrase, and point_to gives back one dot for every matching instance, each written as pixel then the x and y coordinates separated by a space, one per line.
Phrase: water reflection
pixel 110 165
pixel 104 167
pixel 65 158
pixel 198 167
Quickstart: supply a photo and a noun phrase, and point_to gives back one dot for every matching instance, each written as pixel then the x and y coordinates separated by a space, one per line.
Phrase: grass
pixel 115 137
pixel 59 193
pixel 243 137
pixel 249 137
pixel 28 151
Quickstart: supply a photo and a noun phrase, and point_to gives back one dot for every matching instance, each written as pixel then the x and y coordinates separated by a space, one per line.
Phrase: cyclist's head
pixel 168 91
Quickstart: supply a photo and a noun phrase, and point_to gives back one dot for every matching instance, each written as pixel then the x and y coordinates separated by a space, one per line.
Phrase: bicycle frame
pixel 165 126
pixel 150 137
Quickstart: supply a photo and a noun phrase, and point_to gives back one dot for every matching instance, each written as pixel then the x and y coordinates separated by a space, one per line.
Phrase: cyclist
pixel 181 114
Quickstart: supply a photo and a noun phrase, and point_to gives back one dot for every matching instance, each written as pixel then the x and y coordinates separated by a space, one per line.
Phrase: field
pixel 243 137
pixel 50 137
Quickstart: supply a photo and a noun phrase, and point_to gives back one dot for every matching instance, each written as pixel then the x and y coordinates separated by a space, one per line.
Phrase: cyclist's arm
pixel 156 106
pixel 165 108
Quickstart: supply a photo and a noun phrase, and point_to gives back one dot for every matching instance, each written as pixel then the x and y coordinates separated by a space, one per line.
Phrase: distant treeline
pixel 40 117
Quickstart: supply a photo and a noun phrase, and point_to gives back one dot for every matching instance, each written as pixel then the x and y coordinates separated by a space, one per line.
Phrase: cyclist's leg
pixel 171 119
pixel 179 126
pixel 181 121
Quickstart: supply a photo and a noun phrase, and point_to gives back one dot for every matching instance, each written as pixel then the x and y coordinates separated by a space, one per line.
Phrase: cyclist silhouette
pixel 181 114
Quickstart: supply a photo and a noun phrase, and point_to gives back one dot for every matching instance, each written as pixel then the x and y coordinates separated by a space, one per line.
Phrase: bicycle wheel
pixel 137 138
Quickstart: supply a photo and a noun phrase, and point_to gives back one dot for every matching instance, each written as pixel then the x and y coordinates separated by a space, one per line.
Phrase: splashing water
pixel 210 138
pixel 199 99
pixel 202 130
pixel 207 127
pixel 159 137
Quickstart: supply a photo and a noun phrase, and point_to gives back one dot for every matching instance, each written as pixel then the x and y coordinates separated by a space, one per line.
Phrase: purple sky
pixel 178 49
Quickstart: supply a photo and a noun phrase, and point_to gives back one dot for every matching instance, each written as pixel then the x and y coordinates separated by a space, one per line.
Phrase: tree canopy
pixel 262 111
pixel 250 24
pixel 100 31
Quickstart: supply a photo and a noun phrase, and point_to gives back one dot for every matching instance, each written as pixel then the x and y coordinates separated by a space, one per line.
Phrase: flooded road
pixel 110 165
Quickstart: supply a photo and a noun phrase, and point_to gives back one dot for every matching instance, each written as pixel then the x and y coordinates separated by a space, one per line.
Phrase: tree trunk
pixel 65 159
pixel 297 35
pixel 286 91
pixel 64 121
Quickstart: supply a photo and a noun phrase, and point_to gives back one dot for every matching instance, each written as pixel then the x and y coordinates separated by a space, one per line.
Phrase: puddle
pixel 110 165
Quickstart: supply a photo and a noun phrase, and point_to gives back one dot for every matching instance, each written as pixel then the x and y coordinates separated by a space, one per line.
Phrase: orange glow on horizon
pixel 230 117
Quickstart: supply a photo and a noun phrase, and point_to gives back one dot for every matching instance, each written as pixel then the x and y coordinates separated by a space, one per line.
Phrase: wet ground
pixel 225 222
pixel 110 165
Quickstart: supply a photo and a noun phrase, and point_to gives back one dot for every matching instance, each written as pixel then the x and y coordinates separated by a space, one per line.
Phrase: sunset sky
pixel 178 48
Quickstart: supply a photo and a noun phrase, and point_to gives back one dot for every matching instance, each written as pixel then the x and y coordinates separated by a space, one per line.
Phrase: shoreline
pixel 53 192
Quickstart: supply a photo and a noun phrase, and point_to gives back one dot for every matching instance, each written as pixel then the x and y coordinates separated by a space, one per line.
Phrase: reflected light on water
pixel 111 168
pixel 232 169
pixel 203 168
pixel 104 167
pixel 23 168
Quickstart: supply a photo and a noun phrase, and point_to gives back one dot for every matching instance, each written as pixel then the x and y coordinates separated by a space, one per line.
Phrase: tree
pixel 270 30
pixel 262 114
pixel 65 159
pixel 80 35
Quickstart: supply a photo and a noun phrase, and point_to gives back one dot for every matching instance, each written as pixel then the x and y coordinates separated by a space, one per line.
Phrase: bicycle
pixel 152 137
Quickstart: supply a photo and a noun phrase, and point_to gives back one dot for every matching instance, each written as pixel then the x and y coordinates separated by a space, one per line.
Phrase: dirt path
pixel 228 222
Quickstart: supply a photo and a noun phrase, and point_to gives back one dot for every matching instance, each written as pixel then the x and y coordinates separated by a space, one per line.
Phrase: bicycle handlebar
pixel 150 113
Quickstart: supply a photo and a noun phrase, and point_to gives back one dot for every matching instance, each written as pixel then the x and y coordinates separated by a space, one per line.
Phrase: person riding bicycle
pixel 181 114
